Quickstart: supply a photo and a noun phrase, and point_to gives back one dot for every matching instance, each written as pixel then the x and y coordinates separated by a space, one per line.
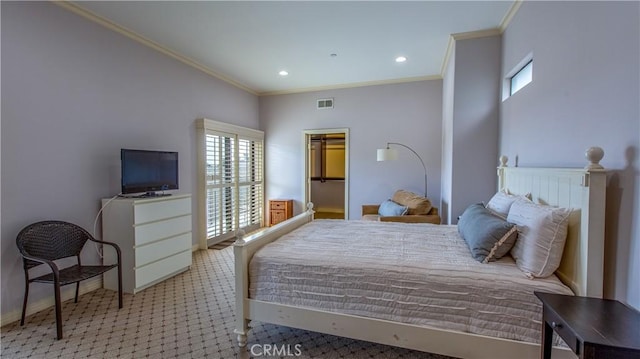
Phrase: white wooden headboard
pixel 583 190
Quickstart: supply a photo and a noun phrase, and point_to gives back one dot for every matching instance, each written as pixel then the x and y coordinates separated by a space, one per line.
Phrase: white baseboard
pixel 86 286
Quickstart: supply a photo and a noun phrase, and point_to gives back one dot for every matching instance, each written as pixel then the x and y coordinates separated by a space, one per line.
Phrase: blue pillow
pixel 488 236
pixel 391 208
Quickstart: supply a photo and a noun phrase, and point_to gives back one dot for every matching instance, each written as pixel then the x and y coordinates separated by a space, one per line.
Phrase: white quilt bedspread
pixel 421 274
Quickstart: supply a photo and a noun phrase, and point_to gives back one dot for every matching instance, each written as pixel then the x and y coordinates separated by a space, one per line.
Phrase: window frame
pixel 518 73
pixel 249 214
pixel 508 75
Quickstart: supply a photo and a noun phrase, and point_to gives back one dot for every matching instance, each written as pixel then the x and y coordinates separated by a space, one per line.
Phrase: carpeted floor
pixel 187 316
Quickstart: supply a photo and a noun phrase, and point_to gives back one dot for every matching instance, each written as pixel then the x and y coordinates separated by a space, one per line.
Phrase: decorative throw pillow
pixel 501 202
pixel 542 233
pixel 416 204
pixel 390 208
pixel 488 236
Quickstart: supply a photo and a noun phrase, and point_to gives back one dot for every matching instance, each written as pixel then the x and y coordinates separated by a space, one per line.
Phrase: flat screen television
pixel 148 171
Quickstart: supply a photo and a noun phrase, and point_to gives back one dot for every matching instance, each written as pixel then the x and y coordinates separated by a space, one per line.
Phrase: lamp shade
pixel 387 154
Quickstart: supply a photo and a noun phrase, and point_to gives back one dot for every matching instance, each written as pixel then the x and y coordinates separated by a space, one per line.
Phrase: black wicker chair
pixel 44 242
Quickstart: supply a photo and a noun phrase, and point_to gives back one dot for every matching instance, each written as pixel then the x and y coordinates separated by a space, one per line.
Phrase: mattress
pixel 421 274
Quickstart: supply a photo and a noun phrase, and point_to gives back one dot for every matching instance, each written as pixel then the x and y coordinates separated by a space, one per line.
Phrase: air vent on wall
pixel 325 103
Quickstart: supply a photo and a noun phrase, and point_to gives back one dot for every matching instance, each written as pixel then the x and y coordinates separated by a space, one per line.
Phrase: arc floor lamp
pixel 390 154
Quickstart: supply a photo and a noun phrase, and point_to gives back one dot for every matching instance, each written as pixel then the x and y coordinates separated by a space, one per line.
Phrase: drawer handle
pixel 555 325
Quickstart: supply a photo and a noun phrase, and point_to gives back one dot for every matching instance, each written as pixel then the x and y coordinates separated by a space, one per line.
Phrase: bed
pixel 581 271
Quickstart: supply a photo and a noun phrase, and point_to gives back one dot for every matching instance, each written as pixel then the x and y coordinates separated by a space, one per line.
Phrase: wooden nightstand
pixel 280 210
pixel 591 327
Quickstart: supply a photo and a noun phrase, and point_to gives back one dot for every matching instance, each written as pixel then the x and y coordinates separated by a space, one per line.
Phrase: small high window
pixel 521 78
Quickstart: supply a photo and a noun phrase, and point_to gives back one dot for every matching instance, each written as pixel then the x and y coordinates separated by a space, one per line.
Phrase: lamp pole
pixel 421 161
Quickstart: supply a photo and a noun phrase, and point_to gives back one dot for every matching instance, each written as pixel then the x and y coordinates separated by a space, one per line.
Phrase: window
pixel 523 77
pixel 231 179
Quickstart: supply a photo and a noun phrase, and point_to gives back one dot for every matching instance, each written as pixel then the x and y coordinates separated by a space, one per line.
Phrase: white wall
pixel 585 92
pixel 408 113
pixel 447 136
pixel 73 94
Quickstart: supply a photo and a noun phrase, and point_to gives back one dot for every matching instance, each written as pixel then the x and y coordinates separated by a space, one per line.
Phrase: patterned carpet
pixel 188 316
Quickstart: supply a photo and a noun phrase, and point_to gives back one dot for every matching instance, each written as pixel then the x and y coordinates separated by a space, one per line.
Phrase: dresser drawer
pixel 157 250
pixel 561 328
pixel 163 268
pixel 158 210
pixel 154 231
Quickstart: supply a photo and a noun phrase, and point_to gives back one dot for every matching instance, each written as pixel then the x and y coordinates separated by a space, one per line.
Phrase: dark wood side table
pixel 591 327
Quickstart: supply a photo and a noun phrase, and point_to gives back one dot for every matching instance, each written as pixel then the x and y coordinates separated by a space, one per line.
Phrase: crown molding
pixel 476 34
pixel 351 85
pixel 506 20
pixel 481 33
pixel 70 6
pixel 465 36
pixel 447 55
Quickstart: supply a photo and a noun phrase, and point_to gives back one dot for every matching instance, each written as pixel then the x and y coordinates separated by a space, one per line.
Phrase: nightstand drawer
pixel 278 205
pixel 562 329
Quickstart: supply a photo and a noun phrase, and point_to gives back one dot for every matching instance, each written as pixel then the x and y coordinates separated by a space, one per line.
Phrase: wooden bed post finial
pixel 503 161
pixel 240 237
pixel 501 169
pixel 594 155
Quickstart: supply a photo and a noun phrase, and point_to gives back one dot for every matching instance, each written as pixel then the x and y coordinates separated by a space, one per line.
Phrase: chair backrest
pixel 51 240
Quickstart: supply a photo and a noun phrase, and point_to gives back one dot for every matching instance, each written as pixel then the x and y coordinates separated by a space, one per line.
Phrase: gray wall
pixel 584 93
pixel 408 113
pixel 73 94
pixel 471 107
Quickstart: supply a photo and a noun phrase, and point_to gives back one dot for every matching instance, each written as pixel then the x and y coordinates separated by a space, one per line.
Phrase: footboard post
pixel 243 250
pixel 242 288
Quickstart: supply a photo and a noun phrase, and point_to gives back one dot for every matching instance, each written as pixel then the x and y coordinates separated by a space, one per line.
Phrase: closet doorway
pixel 327 172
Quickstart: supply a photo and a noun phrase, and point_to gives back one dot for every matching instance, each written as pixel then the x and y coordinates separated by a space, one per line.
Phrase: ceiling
pixel 248 43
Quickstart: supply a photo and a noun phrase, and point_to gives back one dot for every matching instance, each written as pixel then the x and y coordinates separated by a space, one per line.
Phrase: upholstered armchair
pixel 405 207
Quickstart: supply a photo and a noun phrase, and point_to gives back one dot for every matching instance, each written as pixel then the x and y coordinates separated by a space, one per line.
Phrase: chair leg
pixel 119 285
pixel 58 310
pixel 77 290
pixel 24 303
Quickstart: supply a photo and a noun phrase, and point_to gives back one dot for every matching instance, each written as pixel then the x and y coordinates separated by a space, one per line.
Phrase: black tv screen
pixel 148 171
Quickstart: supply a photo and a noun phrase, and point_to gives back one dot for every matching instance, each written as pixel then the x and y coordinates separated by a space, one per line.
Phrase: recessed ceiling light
pixel 401 59
pixel 283 73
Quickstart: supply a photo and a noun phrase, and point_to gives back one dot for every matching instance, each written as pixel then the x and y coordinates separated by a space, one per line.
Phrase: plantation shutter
pixel 250 184
pixel 233 179
pixel 220 184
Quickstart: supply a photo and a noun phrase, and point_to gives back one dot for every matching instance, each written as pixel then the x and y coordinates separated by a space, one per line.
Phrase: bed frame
pixel 581 269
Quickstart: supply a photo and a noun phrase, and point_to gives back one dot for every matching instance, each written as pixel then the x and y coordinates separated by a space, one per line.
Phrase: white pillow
pixel 542 232
pixel 500 203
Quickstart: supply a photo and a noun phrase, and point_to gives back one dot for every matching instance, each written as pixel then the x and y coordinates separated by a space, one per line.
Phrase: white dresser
pixel 154 235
